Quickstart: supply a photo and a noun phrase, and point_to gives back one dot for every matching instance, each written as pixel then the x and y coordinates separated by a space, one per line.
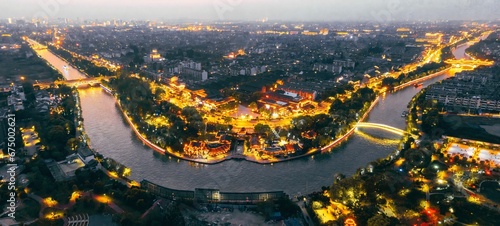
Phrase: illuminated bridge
pixel 78 83
pixel 383 127
pixel 37 46
pixel 469 63
pixel 34 44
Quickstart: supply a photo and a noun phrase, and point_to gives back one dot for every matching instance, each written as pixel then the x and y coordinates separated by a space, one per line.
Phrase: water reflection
pixel 70 73
pixel 378 140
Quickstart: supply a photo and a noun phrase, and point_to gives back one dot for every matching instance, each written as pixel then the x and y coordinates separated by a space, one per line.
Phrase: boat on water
pixel 106 89
pixel 418 85
pixel 65 67
pixel 404 114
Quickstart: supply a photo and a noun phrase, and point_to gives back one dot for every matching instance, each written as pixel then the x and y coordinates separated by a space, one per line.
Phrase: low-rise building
pixel 85 154
pixel 16 99
pixel 471 91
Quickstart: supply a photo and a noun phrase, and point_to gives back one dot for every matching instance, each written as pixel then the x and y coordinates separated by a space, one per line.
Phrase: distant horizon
pixel 378 11
pixel 188 20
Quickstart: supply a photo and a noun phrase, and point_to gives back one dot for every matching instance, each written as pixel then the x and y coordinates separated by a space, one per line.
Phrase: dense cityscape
pixel 239 122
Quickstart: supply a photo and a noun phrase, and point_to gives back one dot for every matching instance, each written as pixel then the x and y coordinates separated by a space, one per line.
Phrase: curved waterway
pixel 111 136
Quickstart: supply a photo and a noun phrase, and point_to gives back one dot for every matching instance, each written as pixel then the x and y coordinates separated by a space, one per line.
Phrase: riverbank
pixel 84 64
pixel 418 80
pixel 81 71
pixel 154 146
pixel 59 74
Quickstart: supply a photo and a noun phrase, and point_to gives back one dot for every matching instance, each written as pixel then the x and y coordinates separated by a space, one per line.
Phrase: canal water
pixel 111 136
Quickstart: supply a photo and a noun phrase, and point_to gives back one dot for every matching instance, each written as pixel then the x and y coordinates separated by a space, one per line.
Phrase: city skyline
pixel 210 10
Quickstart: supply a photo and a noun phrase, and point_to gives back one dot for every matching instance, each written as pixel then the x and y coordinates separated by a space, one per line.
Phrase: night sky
pixel 296 10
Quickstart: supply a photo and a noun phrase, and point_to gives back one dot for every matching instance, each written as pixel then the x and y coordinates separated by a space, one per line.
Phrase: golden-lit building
pixel 241 52
pixel 431 38
pixel 310 33
pixel 403 32
pixel 342 33
pixel 174 83
pixel 233 55
pixel 203 149
pixel 403 29
pixel 155 56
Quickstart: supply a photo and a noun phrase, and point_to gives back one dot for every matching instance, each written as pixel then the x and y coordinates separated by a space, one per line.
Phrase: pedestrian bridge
pixel 383 127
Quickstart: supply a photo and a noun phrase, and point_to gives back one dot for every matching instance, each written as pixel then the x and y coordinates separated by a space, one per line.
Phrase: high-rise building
pixel 9 20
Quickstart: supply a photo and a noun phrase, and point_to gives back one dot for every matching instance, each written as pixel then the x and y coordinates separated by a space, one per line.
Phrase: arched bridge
pixel 383 127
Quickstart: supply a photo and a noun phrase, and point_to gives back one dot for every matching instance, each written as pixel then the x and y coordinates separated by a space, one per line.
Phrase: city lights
pixel 376 119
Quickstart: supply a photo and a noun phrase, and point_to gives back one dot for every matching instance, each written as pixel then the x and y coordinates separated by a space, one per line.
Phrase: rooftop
pixel 85 152
pixel 69 167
